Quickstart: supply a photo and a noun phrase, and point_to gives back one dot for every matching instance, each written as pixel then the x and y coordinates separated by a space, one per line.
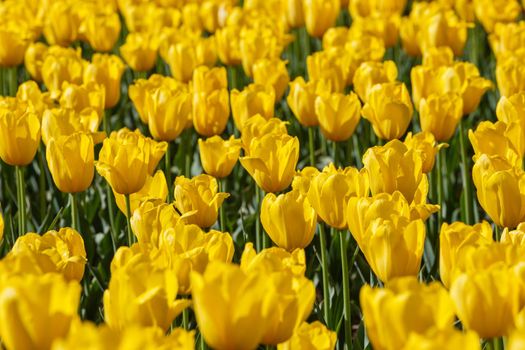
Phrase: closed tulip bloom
pixel 273 72
pixel 59 122
pixel 302 179
pixel 385 28
pixel 142 88
pixel 34 59
pixel 473 85
pixel 331 189
pixel 394 167
pixel 333 66
pixel 501 190
pixel 271 161
pixel 452 239
pixel 167 111
pixel 440 115
pixel 206 80
pixel 444 29
pixel 403 308
pixel 62 65
pixel 140 51
pixel 107 71
pixel 338 115
pixel 254 99
pixel 509 109
pixel 80 97
pixel 276 217
pixel 182 59
pixel 61 23
pixel 446 339
pixel 371 73
pixel 364 8
pixel 211 112
pixel 228 46
pixel 301 100
pixel 71 162
pixel 53 303
pixel 198 199
pixel 497 139
pixel 258 126
pixel 389 110
pixel 14 46
pixel 155 188
pixel 313 335
pixel 226 319
pixel 294 13
pixel 151 218
pixel 320 15
pixel 436 57
pixel 506 38
pixel 101 30
pixel 500 11
pixel 425 144
pixel 510 74
pixel 19 135
pixel 487 301
pixel 218 156
pixel 257 43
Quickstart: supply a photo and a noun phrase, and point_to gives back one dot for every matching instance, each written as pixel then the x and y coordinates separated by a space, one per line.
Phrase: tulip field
pixel 262 174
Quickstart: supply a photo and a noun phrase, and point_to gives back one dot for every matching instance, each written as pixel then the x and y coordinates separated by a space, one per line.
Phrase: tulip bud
pixel 151 218
pixel 371 73
pixel 440 115
pixel 218 156
pixel 473 86
pixel 106 70
pixel 319 15
pixel 294 13
pixel 436 57
pixel 182 59
pixel 256 44
pixel 59 122
pixel 389 109
pixel 254 99
pixel 140 51
pixel 338 115
pixel 272 72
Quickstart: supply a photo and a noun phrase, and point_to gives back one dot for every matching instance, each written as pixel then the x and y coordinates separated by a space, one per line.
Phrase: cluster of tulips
pixel 294 174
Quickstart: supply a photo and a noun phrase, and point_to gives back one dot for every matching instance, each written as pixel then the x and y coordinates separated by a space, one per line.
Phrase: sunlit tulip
pixel 254 99
pixel 80 97
pixel 62 65
pixel 256 44
pixel 155 188
pixel 443 29
pixel 510 75
pixel 59 122
pixel 394 167
pixel 403 308
pixel 211 112
pixel 258 126
pixel 273 260
pixel 313 335
pixel 426 146
pixel 436 57
pixel 107 71
pixel 333 66
pixel 13 48
pixel 276 214
pixel 271 161
pixel 385 28
pixel 206 80
pixel 198 199
pixel 151 218
pixel 142 88
pixel 497 139
pixel 30 92
pixel 501 190
pixel 507 38
pixel 486 301
pixel 371 73
pixel 408 30
pixel 301 100
pixel 509 109
pixel 61 23
pixel 53 303
pixel 516 237
pixel 228 46
pixel 490 12
pixel 226 319
pixel 101 30
pixel 140 51
pixel 55 251
pixel 126 159
pixel 218 156
pixel 71 162
pixel 182 59
pixel 19 135
pixel 320 15
pixel 331 189
pixel 272 72
pixel 452 239
pixel 34 59
pixel 338 115
pixel 473 85
pixel 389 110
pixel 302 179
pixel 446 339
pixel 440 115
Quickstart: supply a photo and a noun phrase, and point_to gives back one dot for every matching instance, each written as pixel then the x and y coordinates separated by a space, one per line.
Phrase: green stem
pixel 497 344
pixel 346 291
pixel 128 211
pixel 167 159
pixel 465 174
pixel 185 319
pixel 258 233
pixel 222 221
pixel 202 343
pixel 326 282
pixel 311 145
pixel 21 199
pixel 188 154
pixel 439 171
pixel 74 211
pixel 112 230
pixel 13 80
pixel 497 232
pixel 335 150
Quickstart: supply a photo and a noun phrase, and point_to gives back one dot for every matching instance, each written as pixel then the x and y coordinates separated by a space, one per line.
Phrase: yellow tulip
pixel 302 179
pixel 338 115
pixel 405 307
pixel 447 339
pixel 218 156
pixel 273 72
pixel 30 92
pixel 211 112
pixel 34 59
pixel 273 260
pixel 71 162
pixel 167 111
pixel 473 86
pixel 19 135
pixel 254 99
pixel 182 59
pixel 385 28
pixel 139 294
pixel 101 30
pixel 276 217
pixel 271 161
pixel 228 46
pixel 301 100
pixel 151 218
pixel 320 15
pixel 62 65
pixel 408 30
pixel 490 12
pixel 331 189
pixel 206 80
pixel 198 199
pixel 107 71
pixel 258 126
pixel 428 80
pixel 58 122
pixel 256 44
pixel 61 23
pixel 389 110
pixel 394 167
pixel 497 139
pixel 294 13
pixel 154 188
pixel 14 45
pixel 436 57
pixel 80 97
pixel 313 335
pixel 364 8
pixel 510 74
pixel 501 190
pixel 440 115
pixel 126 159
pixel 507 38
pixel 140 51
pixel 516 237
pixel 509 109
pixel 426 146
pixel 443 28
pixel 226 319
pixel 486 301
pixel 36 310
pixel 142 88
pixel 333 66
pixel 371 73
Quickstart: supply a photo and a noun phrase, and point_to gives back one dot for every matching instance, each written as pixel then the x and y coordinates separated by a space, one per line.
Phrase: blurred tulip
pixel 207 80
pixel 515 237
pixel 496 139
pixel 254 99
pixel 211 112
pixel 338 115
pixel 447 339
pixel 13 48
pixel 490 12
pixel 59 122
pixel 301 100
pixel 53 303
pixel 30 93
pixel 473 86
pixel 228 46
pixel 436 57
pixel 61 23
pixel 198 199
pixel 426 146
pixel 101 30
pixel 371 73
pixel 276 214
pixel 313 335
pixel 140 51
pixel 332 66
pixel 182 59
pixel 441 114
pixel 510 74
pixel 294 13
pixel 364 8
pixel 444 29
pixel 62 65
pixel 19 135
pixel 389 110
pixel 256 44
pixel 34 59
pixel 385 28
pixel 272 72
pixel 218 156
pixel 271 161
pixel 507 38
pixel 80 97
pixel 331 189
pixel 142 88
pixel 107 71
pixel 320 15
pixel 155 188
